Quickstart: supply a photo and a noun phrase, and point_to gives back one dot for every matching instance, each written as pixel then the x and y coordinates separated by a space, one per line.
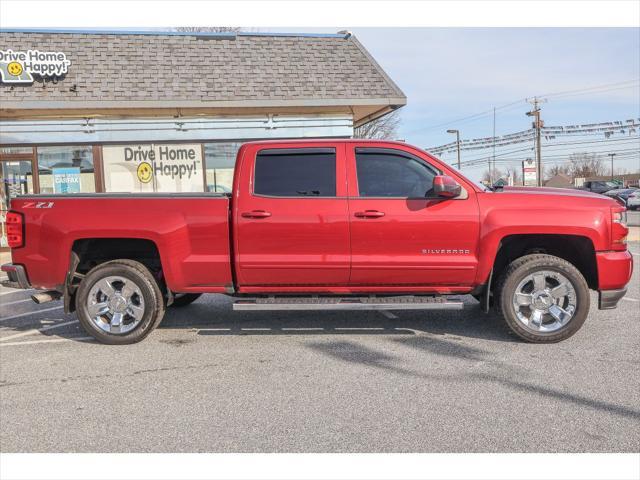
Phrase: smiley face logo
pixel 15 69
pixel 144 172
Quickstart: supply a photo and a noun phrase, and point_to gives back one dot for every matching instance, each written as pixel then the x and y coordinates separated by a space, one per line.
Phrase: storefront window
pixel 16 179
pixel 220 159
pixel 66 169
pixel 16 150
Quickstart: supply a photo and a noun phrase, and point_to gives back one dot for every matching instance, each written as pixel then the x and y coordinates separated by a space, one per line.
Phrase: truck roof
pixel 326 140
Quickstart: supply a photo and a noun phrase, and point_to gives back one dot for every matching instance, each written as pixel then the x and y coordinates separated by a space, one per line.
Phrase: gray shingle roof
pixel 187 68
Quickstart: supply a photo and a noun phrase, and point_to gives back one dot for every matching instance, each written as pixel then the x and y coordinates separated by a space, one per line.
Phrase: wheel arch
pixel 87 253
pixel 576 249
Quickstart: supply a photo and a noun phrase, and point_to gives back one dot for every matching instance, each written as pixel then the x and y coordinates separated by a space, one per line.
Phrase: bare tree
pixel 207 29
pixel 489 177
pixel 382 128
pixel 558 169
pixel 583 165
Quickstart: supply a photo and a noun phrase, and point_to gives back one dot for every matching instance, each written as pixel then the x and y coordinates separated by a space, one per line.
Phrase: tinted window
pixel 385 174
pixel 296 173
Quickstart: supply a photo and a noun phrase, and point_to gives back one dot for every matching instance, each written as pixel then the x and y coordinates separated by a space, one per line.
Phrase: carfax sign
pixel 21 67
pixel 66 180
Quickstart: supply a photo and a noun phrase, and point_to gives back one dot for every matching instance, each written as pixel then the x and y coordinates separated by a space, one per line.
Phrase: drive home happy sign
pixel 20 67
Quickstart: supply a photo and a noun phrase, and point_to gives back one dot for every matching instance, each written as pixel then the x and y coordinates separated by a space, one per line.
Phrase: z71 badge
pixel 37 205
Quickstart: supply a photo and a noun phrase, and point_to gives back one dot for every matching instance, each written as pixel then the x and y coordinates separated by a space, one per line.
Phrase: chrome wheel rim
pixel 544 301
pixel 115 305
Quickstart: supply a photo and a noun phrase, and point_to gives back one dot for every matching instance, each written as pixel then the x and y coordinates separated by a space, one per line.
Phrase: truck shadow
pixel 484 368
pixel 218 320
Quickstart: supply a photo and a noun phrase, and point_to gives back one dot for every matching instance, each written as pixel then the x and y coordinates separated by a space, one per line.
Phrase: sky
pixel 451 73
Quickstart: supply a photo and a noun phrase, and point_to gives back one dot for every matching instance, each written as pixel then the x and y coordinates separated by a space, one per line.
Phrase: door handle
pixel 256 214
pixel 369 214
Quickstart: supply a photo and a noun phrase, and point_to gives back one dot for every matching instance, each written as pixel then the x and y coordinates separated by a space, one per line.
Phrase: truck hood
pixel 564 192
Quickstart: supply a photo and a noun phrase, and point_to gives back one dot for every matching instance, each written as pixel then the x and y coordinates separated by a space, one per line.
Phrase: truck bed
pixel 190 230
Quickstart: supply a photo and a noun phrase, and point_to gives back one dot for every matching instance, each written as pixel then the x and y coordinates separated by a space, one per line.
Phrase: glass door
pixel 17 179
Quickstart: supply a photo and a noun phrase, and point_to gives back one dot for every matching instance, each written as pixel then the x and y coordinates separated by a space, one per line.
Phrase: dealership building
pixel 166 112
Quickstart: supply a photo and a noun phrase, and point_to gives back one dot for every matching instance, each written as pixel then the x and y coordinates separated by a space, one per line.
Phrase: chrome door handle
pixel 256 214
pixel 369 214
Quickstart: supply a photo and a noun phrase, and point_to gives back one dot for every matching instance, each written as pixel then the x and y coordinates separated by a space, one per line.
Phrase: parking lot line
pixel 388 314
pixel 17 301
pixel 30 313
pixel 37 330
pixel 631 299
pixel 15 291
pixel 51 340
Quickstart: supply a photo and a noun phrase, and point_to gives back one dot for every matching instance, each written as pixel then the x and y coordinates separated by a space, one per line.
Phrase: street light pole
pixel 611 155
pixel 457 132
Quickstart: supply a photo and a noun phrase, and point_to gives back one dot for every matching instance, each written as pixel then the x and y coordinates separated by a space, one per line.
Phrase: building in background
pixel 165 112
pixel 560 181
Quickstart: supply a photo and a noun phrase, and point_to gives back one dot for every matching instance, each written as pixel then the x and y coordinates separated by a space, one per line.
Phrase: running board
pixel 349 303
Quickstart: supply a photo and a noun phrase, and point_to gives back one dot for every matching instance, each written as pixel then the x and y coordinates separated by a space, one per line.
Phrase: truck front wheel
pixel 542 298
pixel 119 302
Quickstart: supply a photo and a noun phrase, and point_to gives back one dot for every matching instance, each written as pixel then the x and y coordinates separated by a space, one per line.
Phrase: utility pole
pixel 494 141
pixel 457 132
pixel 611 155
pixel 537 124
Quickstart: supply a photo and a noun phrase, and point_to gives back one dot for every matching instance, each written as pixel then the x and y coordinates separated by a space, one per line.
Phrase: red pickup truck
pixel 325 225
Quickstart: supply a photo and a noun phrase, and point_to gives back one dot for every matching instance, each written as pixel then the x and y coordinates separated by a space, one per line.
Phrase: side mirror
pixel 446 187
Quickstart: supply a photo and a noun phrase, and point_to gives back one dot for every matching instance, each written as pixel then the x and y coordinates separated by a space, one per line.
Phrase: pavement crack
pixel 110 375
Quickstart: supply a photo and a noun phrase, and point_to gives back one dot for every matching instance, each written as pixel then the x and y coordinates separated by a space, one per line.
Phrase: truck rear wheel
pixel 119 302
pixel 184 299
pixel 542 298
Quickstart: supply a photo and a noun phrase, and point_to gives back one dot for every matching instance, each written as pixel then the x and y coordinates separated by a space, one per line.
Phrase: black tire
pixel 516 272
pixel 184 299
pixel 137 273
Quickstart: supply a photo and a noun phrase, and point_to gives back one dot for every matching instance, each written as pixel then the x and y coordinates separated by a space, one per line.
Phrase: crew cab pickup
pixel 325 225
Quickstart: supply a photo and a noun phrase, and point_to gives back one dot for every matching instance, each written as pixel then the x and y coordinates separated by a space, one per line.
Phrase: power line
pixel 550 132
pixel 589 89
pixel 476 116
pixel 630 153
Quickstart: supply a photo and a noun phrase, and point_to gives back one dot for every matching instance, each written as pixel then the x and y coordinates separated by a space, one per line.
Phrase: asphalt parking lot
pixel 210 380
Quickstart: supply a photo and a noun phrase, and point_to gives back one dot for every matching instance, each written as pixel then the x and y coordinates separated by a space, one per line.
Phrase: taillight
pixel 15 229
pixel 619 230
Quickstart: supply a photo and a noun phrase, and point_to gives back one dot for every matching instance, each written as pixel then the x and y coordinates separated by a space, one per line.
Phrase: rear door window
pixel 296 172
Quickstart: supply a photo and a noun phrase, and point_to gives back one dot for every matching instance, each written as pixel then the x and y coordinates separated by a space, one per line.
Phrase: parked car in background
pixel 599 186
pixel 625 194
pixel 633 200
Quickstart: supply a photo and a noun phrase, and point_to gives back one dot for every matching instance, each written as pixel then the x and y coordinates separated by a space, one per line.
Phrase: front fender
pixel 504 222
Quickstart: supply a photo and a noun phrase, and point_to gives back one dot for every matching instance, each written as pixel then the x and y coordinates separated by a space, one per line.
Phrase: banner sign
pixel 20 67
pixel 66 180
pixel 618 127
pixel 153 168
pixel 530 173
